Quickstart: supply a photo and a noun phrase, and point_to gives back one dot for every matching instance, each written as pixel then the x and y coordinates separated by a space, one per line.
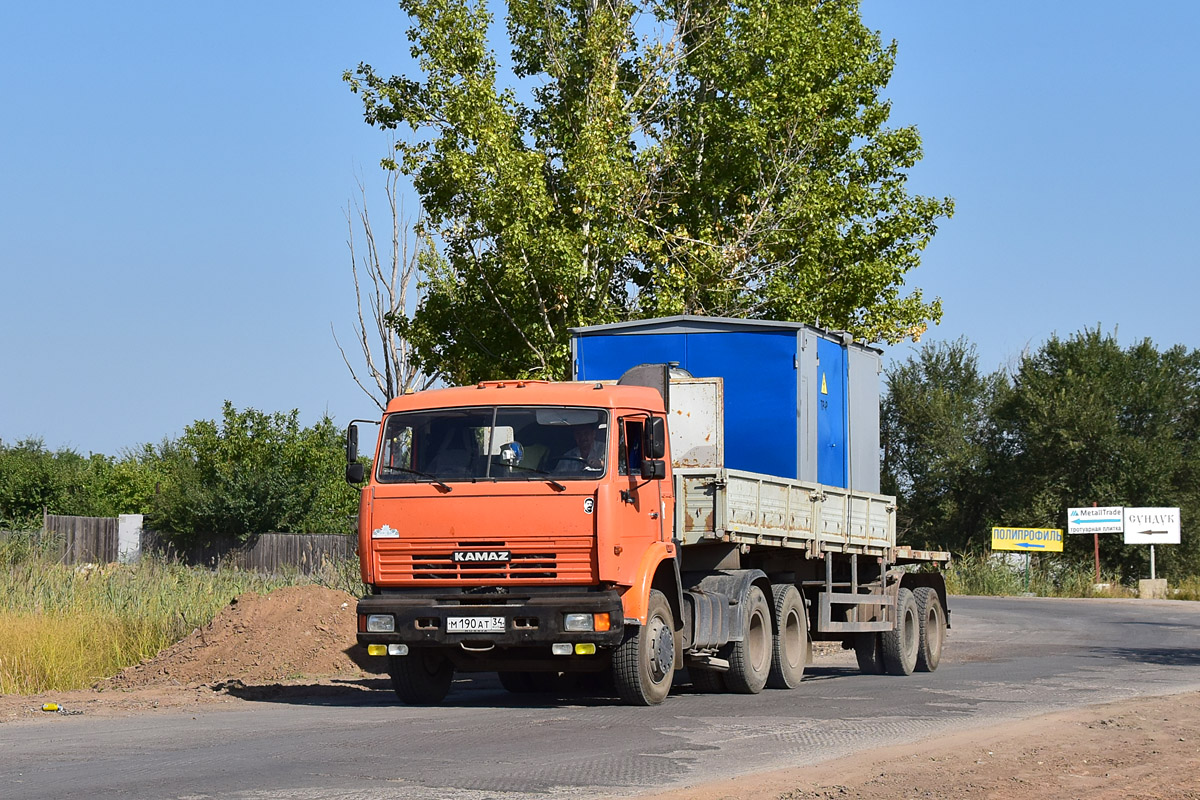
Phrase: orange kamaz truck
pixel 695 500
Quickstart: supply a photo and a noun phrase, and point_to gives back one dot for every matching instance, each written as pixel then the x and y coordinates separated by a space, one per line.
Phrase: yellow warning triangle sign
pixel 824 388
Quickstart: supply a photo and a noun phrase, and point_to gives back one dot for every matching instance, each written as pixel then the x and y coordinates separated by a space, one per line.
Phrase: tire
pixel 421 678
pixel 931 618
pixel 790 650
pixel 899 646
pixel 643 666
pixel 866 651
pixel 708 681
pixel 750 659
pixel 521 682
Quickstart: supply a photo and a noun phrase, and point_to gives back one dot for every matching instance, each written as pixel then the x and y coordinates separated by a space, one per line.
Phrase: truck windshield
pixel 501 443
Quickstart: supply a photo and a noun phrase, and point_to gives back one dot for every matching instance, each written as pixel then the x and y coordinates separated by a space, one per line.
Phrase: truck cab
pixel 518 527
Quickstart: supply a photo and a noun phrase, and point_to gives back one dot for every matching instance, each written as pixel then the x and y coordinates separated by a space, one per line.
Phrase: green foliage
pixel 1081 421
pixel 941 445
pixel 978 574
pixel 253 473
pixel 728 160
pixel 64 482
pixel 1090 423
pixel 30 477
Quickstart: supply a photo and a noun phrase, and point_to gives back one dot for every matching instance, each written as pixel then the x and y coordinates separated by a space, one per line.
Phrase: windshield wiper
pixel 553 483
pixel 433 478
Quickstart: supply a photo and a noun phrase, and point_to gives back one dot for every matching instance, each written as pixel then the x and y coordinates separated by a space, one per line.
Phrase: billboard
pixel 1044 540
pixel 1151 526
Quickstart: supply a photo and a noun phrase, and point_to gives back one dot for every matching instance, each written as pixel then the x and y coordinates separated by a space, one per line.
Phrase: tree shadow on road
pixel 1161 656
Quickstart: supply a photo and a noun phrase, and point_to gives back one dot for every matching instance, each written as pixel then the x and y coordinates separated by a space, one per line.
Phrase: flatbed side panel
pixel 749 508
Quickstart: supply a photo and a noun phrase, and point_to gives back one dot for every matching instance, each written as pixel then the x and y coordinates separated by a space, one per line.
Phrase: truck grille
pixel 433 562
pixel 440 566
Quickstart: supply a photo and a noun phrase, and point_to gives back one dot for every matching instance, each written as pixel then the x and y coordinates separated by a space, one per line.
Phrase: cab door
pixel 636 506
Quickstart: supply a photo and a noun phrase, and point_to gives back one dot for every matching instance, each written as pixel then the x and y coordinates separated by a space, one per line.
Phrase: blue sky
pixel 173 179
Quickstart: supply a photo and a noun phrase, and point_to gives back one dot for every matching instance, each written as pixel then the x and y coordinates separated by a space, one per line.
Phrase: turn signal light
pixel 603 623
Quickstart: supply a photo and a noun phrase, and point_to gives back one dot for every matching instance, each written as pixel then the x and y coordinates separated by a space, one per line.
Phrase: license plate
pixel 475 625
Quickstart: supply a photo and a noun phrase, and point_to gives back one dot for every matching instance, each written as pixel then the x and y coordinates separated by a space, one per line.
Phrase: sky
pixel 174 180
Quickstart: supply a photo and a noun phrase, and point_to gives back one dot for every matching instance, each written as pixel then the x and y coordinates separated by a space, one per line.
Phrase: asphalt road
pixel 1005 659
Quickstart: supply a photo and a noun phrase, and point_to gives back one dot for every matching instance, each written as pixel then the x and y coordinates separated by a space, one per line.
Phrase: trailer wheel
pixel 899 646
pixel 750 659
pixel 791 638
pixel 643 666
pixel 708 681
pixel 866 651
pixel 421 678
pixel 932 619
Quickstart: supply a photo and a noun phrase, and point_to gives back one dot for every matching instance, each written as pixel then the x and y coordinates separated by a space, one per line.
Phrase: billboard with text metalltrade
pixel 1109 519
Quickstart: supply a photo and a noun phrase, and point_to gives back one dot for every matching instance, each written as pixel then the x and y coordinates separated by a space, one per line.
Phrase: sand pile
pixel 289 634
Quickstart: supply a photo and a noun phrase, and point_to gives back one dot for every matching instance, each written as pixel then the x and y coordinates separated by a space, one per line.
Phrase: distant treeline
pixel 248 473
pixel 1080 421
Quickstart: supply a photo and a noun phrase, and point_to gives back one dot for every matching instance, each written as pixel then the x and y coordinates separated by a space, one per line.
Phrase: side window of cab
pixel 631 446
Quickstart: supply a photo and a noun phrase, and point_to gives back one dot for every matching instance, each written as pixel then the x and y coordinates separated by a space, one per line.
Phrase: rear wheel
pixel 421 678
pixel 899 646
pixel 643 666
pixel 932 619
pixel 791 638
pixel 750 659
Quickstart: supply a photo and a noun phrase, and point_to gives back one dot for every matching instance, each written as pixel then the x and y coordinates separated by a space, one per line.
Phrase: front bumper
pixel 533 616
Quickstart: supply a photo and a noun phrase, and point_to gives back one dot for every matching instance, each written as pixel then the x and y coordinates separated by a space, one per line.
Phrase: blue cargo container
pixel 800 402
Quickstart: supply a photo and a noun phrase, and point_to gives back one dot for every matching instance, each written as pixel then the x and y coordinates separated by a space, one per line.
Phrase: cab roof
pixel 590 394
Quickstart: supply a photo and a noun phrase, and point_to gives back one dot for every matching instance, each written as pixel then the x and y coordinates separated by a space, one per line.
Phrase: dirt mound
pixel 291 633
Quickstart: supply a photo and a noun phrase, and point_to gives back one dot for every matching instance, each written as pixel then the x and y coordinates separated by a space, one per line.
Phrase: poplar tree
pixel 650 158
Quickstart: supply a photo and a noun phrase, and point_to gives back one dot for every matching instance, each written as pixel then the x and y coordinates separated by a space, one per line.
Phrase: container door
pixel 831 413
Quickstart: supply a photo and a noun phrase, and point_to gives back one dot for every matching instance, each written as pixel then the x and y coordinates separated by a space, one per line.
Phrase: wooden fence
pixel 266 552
pixel 81 540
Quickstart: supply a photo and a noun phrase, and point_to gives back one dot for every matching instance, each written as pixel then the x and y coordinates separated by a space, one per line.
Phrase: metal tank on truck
pixel 705 495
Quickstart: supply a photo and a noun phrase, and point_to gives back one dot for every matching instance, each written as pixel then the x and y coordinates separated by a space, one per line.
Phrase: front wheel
pixel 643 666
pixel 421 678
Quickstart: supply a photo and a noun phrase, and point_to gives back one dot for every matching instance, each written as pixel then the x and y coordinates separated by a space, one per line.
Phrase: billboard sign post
pixel 1152 526
pixel 1046 540
pixel 1096 520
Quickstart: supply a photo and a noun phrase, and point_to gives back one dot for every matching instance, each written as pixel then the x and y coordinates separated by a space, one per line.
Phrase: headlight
pixel 577 622
pixel 381 623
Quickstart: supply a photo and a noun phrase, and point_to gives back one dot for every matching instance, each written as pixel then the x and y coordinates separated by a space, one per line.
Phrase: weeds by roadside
pixel 65 627
pixel 980 575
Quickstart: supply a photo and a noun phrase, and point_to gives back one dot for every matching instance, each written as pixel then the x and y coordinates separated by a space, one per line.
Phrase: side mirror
pixel 654 443
pixel 354 472
pixel 352 444
pixel 653 469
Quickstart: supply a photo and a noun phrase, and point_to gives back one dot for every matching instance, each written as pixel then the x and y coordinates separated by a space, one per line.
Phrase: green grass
pixel 981 575
pixel 65 627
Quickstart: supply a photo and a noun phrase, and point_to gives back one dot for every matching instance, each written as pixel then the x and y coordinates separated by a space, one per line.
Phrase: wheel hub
pixel 662 651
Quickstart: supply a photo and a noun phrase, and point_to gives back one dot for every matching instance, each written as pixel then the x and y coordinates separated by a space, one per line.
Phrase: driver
pixel 587 456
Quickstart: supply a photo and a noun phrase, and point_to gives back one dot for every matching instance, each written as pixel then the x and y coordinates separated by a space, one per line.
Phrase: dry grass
pixel 66 627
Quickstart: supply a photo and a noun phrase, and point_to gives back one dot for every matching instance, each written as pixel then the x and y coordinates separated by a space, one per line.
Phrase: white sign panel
pixel 1151 526
pixel 1095 520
